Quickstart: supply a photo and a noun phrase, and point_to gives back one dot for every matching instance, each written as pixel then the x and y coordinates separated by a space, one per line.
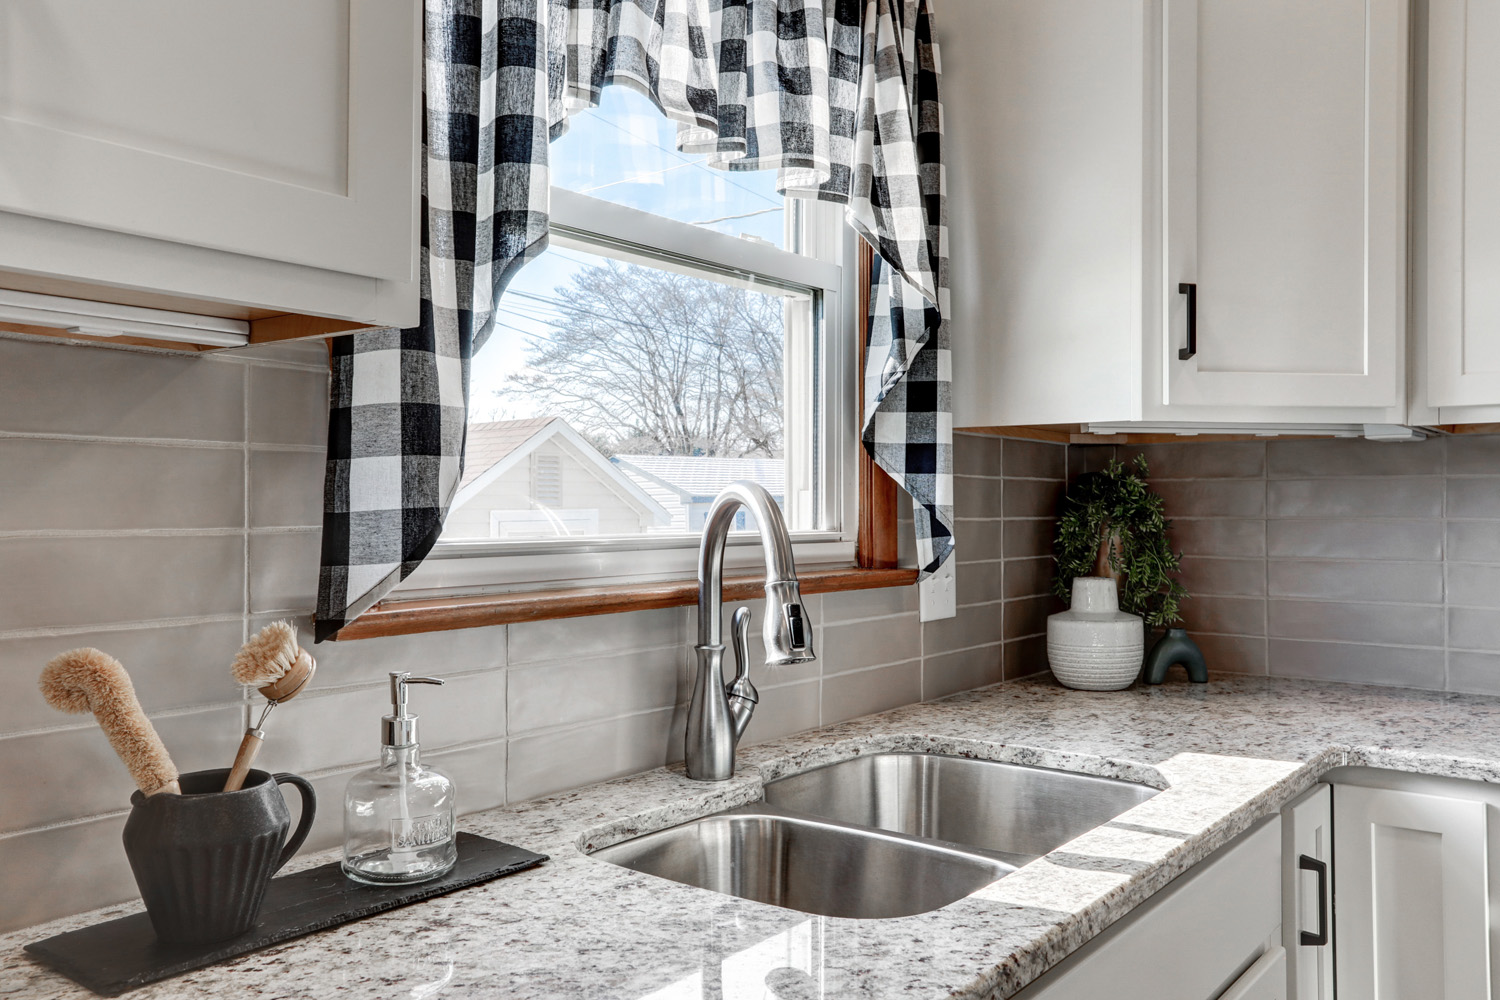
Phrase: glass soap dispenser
pixel 398 817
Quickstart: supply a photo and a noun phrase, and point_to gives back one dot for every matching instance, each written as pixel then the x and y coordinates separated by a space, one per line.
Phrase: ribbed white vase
pixel 1094 646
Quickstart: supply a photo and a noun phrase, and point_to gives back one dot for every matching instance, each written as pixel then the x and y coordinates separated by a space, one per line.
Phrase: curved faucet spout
pixel 719 713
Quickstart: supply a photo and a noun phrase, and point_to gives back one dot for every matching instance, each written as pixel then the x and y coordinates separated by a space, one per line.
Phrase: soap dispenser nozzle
pixel 400 727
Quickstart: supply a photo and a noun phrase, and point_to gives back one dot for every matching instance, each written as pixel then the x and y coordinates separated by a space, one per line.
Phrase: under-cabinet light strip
pixel 105 319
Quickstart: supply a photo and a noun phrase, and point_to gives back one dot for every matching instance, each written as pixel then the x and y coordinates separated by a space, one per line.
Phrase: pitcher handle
pixel 304 822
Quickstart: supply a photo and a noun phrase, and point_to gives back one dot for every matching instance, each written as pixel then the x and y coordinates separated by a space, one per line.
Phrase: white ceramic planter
pixel 1094 646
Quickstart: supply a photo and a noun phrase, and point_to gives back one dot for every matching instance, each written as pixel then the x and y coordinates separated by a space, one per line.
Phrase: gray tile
pixel 1218 536
pixel 1474 497
pixel 1231 654
pixel 1410 497
pixel 67 774
pixel 179 666
pixel 570 692
pixel 93 581
pixel 288 406
pixel 284 571
pixel 1025 657
pixel 1474 585
pixel 1474 541
pixel 864 644
pixel 566 758
pixel 80 484
pixel 974 625
pixel 1357 580
pixel 1474 673
pixel 1330 538
pixel 1212 497
pixel 65 870
pixel 1474 455
pixel 973 497
pixel 565 638
pixel 783 710
pixel 1215 460
pixel 1210 575
pixel 1032 497
pixel 286 489
pixel 1357 663
pixel 1227 615
pixel 1398 624
pixel 949 673
pixel 977 454
pixel 850 605
pixel 436 654
pixel 1027 577
pixel 478 773
pixel 1084 458
pixel 982 540
pixel 1035 459
pixel 341 728
pixel 1028 615
pixel 126 394
pixel 979 582
pixel 865 692
pixel 1028 538
pixel 1473 628
pixel 1295 459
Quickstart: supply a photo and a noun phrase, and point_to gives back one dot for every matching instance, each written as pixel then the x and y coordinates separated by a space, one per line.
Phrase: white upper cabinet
pixel 1285 138
pixel 1460 122
pixel 1116 160
pixel 262 154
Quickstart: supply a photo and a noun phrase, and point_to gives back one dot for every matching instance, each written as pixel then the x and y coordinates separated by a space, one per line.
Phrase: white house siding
pixel 583 489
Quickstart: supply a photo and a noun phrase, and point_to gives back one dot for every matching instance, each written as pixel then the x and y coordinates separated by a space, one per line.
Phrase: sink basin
pixel 808 865
pixel 1017 812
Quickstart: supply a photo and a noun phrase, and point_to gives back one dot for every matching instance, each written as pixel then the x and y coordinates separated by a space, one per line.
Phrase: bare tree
pixel 647 360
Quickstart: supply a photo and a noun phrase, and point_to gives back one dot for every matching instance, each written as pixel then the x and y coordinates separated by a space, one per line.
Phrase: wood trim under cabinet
pixel 446 613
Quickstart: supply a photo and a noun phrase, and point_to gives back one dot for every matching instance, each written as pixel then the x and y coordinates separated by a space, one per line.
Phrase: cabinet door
pixel 1265 980
pixel 1285 201
pixel 1306 894
pixel 280 129
pixel 1463 203
pixel 1412 909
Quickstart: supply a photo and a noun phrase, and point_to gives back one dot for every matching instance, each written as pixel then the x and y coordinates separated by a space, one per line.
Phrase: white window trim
pixel 472 567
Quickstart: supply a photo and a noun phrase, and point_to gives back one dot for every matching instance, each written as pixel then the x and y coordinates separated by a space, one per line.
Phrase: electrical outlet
pixel 939 593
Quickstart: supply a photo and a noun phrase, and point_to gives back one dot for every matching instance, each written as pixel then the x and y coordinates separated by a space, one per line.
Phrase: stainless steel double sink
pixel 882 835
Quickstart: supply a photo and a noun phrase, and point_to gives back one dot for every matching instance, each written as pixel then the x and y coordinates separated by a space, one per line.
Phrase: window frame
pixel 833 265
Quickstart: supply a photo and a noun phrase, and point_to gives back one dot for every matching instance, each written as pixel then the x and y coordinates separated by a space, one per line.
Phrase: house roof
pixel 700 477
pixel 488 443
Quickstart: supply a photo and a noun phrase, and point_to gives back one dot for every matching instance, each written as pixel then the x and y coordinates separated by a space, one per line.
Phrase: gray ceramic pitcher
pixel 202 859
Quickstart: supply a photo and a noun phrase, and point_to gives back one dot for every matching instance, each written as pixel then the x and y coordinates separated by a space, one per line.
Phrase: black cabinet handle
pixel 1309 864
pixel 1191 291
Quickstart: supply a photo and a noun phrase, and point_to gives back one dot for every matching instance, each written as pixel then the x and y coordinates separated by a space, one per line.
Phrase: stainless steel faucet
pixel 719 712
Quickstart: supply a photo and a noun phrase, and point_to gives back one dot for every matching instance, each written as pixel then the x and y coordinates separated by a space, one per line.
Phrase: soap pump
pixel 398 817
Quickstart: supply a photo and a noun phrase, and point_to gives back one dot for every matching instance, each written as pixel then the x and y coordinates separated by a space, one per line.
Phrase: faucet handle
pixel 739 634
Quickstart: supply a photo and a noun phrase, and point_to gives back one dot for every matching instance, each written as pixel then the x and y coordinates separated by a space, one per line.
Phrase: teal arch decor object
pixel 1173 649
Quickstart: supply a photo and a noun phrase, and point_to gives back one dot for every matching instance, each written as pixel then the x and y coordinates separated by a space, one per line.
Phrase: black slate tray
pixel 123 954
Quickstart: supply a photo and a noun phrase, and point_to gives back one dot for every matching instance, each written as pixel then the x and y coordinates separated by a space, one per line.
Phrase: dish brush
pixel 88 680
pixel 272 661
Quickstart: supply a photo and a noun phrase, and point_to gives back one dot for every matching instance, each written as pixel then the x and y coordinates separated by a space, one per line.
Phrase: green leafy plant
pixel 1112 524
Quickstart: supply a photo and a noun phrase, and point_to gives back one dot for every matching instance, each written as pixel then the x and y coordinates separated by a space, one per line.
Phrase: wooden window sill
pixel 446 613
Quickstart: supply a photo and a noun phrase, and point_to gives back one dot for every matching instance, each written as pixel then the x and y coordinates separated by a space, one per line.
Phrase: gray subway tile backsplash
pixel 1334 538
pixel 1355 497
pixel 1356 580
pixel 1314 459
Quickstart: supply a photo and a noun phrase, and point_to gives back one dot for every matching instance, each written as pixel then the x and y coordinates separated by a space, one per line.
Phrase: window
pixel 687 327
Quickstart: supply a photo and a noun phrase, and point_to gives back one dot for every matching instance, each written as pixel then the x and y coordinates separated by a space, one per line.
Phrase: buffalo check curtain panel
pixel 839 96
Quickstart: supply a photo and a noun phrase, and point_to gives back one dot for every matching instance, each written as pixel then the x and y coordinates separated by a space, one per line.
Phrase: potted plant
pixel 1116 568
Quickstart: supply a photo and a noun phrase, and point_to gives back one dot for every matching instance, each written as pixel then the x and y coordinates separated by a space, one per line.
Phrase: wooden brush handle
pixel 249 747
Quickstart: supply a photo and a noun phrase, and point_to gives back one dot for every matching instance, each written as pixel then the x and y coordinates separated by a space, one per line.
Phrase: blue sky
pixel 623 151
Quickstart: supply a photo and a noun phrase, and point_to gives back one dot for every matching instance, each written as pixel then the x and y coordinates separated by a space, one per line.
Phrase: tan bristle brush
pixel 87 680
pixel 272 661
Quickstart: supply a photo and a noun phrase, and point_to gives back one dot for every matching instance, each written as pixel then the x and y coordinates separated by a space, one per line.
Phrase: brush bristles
pixel 88 680
pixel 266 655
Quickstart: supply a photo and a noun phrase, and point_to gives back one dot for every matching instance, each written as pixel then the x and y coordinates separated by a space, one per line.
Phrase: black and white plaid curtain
pixel 839 96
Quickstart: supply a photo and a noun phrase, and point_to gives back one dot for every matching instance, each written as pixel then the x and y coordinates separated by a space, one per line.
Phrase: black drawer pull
pixel 1308 864
pixel 1191 291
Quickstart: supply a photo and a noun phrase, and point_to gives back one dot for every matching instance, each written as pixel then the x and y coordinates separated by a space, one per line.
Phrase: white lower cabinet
pixel 1413 900
pixel 1307 894
pixel 1185 943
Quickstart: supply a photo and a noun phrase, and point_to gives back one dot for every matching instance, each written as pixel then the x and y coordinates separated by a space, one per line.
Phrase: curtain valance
pixel 839 96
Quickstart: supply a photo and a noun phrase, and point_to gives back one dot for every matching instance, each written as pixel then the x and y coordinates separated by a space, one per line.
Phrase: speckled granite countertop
pixel 1226 754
